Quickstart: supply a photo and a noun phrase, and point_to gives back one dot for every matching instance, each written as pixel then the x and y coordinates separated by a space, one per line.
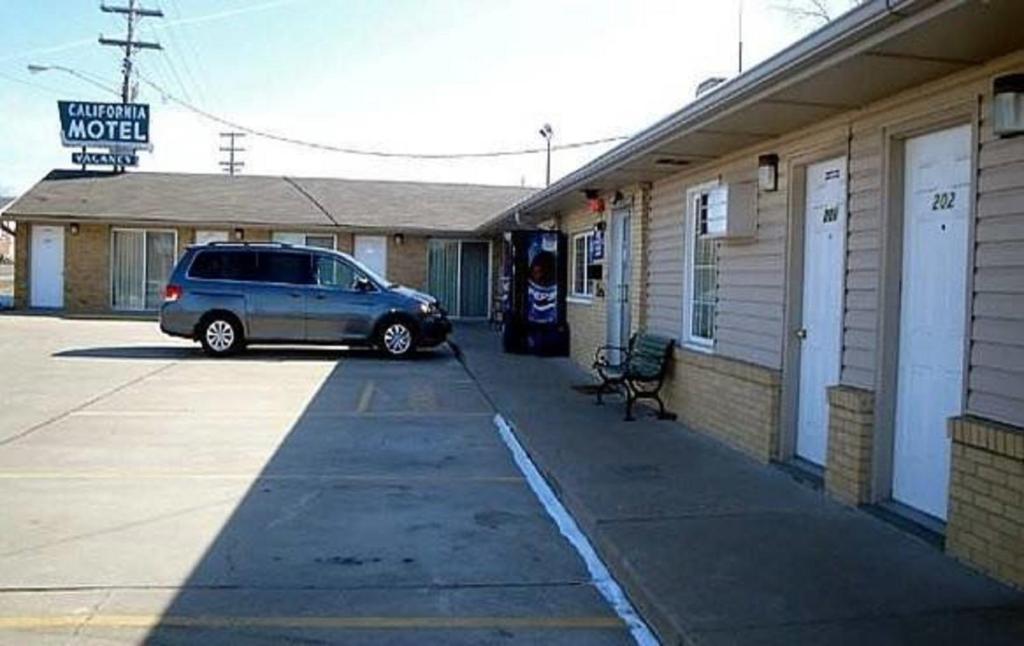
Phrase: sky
pixel 424 76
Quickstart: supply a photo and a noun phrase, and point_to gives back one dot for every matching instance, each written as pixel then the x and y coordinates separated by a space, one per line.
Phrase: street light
pixel 547 132
pixel 36 69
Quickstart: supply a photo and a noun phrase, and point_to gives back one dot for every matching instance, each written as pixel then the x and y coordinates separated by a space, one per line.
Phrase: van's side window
pixel 332 272
pixel 224 265
pixel 284 267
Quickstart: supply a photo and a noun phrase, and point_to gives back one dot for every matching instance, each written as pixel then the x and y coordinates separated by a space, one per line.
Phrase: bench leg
pixel 630 400
pixel 662 413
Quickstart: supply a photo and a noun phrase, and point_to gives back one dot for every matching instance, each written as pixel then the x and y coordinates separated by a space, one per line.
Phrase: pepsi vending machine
pixel 534 284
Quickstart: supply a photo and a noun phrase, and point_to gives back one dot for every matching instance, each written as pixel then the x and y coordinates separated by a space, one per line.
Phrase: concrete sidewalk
pixel 715 548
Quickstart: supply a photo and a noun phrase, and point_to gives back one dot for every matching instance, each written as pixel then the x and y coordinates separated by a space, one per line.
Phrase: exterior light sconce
pixel 399 239
pixel 594 203
pixel 1008 105
pixel 768 172
pixel 74 228
pixel 239 234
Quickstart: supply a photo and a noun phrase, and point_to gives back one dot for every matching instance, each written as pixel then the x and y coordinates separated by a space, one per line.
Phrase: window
pixel 321 240
pixel 224 265
pixel 141 264
pixel 290 268
pixel 701 291
pixel 581 279
pixel 335 273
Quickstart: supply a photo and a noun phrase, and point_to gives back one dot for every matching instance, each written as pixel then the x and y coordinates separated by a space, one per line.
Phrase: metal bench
pixel 636 372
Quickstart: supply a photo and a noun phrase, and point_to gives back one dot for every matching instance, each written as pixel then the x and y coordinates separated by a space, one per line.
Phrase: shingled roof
pixel 208 199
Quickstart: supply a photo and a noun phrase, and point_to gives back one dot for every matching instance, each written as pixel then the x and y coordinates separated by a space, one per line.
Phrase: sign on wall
pixel 105 159
pixel 84 123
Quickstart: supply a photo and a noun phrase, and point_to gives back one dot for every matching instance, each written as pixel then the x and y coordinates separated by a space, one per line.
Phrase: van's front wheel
pixel 396 338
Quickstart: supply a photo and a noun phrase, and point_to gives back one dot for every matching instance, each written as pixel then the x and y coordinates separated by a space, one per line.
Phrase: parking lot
pixel 313 495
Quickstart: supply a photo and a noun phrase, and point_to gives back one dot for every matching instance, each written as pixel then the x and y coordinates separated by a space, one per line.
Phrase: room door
pixel 937 180
pixel 46 288
pixel 821 326
pixel 618 314
pixel 372 251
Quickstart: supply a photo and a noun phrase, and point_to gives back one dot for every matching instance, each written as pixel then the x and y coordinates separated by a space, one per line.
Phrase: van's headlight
pixel 429 309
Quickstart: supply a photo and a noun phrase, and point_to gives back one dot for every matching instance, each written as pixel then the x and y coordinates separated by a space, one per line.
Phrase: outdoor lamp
pixel 768 172
pixel 239 234
pixel 1008 105
pixel 74 228
pixel 399 239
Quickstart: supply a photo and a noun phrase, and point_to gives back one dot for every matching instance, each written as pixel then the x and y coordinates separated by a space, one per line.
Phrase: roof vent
pixel 671 161
pixel 709 84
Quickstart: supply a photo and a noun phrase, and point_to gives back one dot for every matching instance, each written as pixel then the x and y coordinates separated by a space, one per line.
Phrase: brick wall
pixel 21 247
pixel 407 262
pixel 985 527
pixel 87 269
pixel 586 316
pixel 256 235
pixel 851 422
pixel 733 401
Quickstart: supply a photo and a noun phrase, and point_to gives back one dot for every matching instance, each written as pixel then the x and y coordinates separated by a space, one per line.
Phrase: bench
pixel 637 371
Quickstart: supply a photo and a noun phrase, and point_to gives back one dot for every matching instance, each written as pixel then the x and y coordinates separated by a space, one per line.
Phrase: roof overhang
pixel 871 52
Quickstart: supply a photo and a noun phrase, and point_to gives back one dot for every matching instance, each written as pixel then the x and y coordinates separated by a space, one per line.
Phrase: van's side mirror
pixel 363 284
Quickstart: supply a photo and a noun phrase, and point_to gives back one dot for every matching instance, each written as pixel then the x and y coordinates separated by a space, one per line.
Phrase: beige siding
pixel 750 272
pixel 996 378
pixel 863 253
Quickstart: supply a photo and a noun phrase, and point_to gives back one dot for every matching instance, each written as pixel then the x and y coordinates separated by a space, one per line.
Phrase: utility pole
pixel 230 165
pixel 740 57
pixel 131 13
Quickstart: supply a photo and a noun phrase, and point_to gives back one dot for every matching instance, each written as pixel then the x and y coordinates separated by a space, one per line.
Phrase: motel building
pixel 105 243
pixel 835 238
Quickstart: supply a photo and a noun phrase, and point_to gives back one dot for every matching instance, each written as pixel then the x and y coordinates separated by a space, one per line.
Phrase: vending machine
pixel 534 283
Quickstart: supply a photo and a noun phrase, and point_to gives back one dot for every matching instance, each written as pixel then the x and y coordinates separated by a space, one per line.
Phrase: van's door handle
pixel 801 333
pixel 320 297
pixel 295 295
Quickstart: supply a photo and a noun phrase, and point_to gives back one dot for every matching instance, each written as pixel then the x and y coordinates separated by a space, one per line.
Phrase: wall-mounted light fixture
pixel 594 202
pixel 1008 105
pixel 74 228
pixel 239 234
pixel 399 239
pixel 768 172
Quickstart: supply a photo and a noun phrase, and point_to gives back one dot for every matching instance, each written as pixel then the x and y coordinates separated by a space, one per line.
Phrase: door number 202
pixel 943 201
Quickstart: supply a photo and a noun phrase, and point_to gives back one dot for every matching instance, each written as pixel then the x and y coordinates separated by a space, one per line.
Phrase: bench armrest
pixel 601 354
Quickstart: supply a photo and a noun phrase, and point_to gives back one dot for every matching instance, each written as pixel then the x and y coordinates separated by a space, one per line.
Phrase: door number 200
pixel 943 201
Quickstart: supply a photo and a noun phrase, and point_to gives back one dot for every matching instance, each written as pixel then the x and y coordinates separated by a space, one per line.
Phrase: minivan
pixel 226 295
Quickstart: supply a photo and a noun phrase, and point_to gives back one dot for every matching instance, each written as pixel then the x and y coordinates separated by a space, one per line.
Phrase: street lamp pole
pixel 547 132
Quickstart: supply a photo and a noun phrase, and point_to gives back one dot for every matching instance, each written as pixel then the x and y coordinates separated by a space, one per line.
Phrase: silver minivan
pixel 226 295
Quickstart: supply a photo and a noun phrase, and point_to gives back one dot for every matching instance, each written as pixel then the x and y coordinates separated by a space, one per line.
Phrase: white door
pixel 618 279
pixel 204 237
pixel 937 180
pixel 822 312
pixel 47 267
pixel 372 251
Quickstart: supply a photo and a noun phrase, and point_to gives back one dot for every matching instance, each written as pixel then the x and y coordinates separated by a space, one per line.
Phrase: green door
pixel 458 275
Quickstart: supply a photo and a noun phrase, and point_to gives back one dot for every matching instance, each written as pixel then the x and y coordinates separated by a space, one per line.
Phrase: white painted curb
pixel 600 577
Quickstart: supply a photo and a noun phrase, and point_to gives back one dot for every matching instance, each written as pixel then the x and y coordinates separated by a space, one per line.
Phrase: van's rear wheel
pixel 220 335
pixel 396 338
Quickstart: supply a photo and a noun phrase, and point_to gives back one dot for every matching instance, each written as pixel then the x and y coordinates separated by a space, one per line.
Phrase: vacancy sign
pixel 120 125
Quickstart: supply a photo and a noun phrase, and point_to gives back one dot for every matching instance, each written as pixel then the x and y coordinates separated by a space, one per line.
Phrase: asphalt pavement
pixel 149 494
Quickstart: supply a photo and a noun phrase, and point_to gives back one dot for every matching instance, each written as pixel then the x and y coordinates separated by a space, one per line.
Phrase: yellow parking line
pixel 307 622
pixel 366 397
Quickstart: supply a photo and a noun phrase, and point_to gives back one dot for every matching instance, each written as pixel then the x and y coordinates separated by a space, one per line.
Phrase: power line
pixel 366 152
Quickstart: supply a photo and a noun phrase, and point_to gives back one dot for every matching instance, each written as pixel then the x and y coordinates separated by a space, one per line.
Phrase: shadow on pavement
pixel 266 353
